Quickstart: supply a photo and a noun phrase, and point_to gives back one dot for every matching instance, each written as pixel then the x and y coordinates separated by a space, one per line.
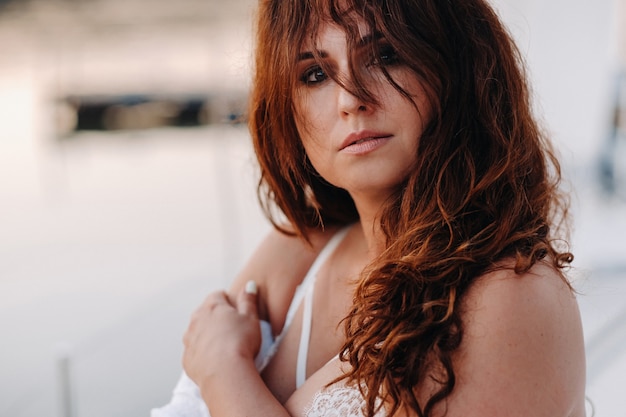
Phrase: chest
pixel 314 337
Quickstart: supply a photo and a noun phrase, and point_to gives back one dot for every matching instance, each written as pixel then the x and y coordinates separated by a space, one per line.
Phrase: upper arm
pixel 278 266
pixel 522 350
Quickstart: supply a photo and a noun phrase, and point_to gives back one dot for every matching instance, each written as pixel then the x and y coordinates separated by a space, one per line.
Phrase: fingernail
pixel 251 287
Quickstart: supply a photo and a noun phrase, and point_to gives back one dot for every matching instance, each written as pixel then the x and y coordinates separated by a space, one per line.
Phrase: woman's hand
pixel 223 333
pixel 221 343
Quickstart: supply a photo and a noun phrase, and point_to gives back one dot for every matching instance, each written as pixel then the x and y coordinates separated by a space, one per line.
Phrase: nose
pixel 349 104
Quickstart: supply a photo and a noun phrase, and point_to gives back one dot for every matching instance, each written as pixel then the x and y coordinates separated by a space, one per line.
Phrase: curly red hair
pixel 485 186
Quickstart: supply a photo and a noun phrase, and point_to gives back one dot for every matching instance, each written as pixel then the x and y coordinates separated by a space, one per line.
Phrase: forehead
pixel 326 31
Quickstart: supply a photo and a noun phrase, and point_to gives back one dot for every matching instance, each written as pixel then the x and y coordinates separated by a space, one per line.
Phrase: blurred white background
pixel 109 239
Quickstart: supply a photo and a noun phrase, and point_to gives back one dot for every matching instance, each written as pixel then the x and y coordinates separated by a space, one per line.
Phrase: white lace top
pixel 339 400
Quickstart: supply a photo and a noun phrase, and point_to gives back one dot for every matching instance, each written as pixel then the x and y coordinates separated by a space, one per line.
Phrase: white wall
pixel 571 52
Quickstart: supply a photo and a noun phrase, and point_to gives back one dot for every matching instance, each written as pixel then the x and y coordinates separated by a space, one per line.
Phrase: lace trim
pixel 339 401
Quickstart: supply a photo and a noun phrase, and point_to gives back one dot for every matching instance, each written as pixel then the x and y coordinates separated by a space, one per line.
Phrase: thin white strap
pixel 307 313
pixel 305 336
pixel 312 274
pixel 301 291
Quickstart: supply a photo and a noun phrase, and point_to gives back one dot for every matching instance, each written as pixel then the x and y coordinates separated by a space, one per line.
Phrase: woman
pixel 401 131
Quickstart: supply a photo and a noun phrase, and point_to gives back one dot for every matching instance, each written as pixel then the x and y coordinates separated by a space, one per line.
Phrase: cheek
pixel 311 111
pixel 420 110
pixel 309 138
pixel 314 150
pixel 305 120
pixel 312 122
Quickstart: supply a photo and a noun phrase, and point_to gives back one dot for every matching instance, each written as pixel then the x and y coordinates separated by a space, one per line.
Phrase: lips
pixel 358 138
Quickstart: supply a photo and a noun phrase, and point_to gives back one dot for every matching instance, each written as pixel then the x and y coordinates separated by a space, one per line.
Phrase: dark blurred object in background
pixel 144 111
pixel 115 65
pixel 613 157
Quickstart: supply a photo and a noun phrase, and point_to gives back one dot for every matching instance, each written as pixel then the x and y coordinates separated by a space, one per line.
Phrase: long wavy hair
pixel 485 186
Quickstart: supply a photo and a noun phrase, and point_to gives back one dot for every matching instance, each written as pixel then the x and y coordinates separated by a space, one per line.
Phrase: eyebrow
pixel 364 41
pixel 303 56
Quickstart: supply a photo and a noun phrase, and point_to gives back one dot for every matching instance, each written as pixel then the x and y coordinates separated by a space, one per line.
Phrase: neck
pixel 369 215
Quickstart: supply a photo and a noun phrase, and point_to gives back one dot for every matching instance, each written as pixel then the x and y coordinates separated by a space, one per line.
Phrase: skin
pixel 522 348
pixel 330 114
pixel 522 352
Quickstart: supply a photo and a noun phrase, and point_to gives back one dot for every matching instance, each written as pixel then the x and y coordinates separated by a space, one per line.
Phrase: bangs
pixel 366 24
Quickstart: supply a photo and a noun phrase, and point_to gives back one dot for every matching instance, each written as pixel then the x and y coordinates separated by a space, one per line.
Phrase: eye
pixel 313 75
pixel 387 55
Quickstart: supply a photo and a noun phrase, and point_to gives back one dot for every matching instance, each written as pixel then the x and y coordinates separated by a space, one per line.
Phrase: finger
pixel 212 301
pixel 247 300
pixel 186 339
pixel 215 299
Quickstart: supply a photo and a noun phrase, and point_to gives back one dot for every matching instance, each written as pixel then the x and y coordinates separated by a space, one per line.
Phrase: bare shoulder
pixel 522 351
pixel 278 265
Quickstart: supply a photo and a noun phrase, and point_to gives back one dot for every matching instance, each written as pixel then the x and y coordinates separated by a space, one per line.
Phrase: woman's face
pixel 363 148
